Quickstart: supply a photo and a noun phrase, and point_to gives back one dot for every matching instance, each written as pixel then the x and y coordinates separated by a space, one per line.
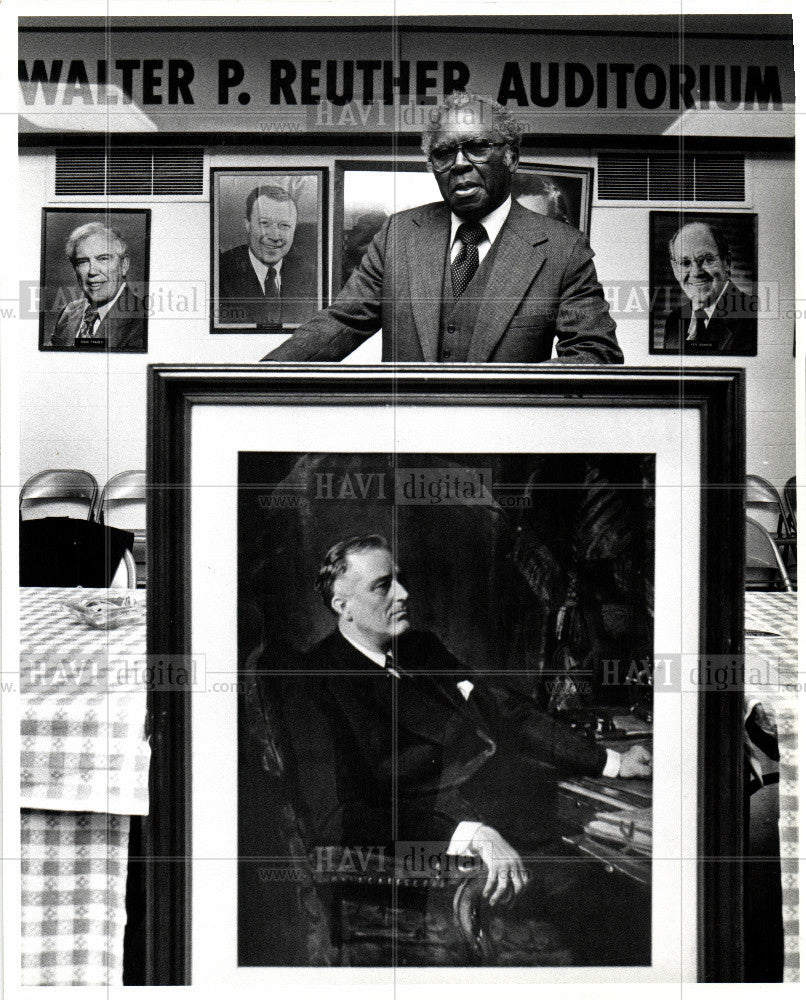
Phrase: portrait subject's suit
pixel 381 759
pixel 241 298
pixel 536 283
pixel 731 330
pixel 123 327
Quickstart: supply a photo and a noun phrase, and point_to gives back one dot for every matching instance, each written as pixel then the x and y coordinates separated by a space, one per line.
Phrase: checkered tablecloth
pixel 771 668
pixel 83 708
pixel 73 898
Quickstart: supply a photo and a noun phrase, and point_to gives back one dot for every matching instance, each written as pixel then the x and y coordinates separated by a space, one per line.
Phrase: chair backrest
pixel 59 492
pixel 791 502
pixel 122 505
pixel 126 492
pixel 764 567
pixel 763 501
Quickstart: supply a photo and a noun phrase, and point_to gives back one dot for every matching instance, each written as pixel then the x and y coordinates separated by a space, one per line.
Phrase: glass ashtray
pixel 105 612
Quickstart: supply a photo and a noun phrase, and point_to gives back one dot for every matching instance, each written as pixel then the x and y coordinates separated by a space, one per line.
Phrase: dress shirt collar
pixel 261 269
pixel 492 223
pixel 371 654
pixel 104 309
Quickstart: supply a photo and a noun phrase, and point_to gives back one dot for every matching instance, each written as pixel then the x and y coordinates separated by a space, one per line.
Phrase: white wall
pixel 88 411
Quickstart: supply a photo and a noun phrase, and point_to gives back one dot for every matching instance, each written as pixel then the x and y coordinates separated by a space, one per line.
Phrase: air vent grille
pixel 669 177
pixel 136 172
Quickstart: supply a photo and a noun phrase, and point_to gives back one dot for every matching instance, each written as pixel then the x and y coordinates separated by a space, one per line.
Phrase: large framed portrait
pixel 704 290
pixel 427 675
pixel 93 286
pixel 268 247
pixel 367 192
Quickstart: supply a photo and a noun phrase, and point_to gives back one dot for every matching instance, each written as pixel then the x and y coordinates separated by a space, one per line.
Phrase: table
pixel 771 672
pixel 83 772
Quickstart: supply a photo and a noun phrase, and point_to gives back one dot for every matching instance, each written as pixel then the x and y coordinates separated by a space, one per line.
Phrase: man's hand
pixel 636 763
pixel 506 875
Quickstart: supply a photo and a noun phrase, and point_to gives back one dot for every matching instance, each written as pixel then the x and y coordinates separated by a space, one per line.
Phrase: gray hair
pixel 94 229
pixel 503 121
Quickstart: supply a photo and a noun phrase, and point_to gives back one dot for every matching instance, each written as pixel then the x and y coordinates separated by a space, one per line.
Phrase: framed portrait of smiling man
pixel 94 280
pixel 704 290
pixel 267 268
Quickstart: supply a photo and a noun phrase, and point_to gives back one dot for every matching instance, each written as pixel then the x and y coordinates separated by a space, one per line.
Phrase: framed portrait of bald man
pixel 704 291
pixel 268 246
pixel 93 293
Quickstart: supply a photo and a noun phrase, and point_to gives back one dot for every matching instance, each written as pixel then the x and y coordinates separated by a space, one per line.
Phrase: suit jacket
pixel 123 327
pixel 380 760
pixel 542 286
pixel 733 328
pixel 241 298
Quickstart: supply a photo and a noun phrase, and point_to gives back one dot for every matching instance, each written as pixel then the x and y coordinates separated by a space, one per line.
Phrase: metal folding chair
pixel 122 505
pixel 764 567
pixel 791 503
pixel 59 492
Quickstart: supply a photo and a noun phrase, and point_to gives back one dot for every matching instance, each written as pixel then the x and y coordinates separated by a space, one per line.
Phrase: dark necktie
pixel 85 333
pixel 466 262
pixel 270 284
pixel 700 332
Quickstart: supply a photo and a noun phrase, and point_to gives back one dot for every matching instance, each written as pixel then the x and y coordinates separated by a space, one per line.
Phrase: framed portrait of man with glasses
pixel 705 292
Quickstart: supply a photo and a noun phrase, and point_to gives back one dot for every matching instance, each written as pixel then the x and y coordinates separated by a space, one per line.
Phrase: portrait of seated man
pixel 434 697
pixel 109 315
pixel 439 761
pixel 269 280
pixel 716 317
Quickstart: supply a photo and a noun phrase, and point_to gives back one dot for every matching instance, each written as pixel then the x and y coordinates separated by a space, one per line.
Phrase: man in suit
pixel 394 740
pixel 109 316
pixel 475 277
pixel 717 317
pixel 264 281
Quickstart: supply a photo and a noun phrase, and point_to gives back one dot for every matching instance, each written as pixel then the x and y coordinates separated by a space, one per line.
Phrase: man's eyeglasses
pixel 475 150
pixel 706 260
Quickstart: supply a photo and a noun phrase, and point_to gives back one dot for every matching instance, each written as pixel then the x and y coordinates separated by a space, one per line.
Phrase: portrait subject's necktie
pixel 390 665
pixel 88 324
pixel 467 260
pixel 270 284
pixel 700 330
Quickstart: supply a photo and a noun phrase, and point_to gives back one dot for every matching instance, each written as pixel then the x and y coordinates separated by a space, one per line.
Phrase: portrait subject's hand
pixel 636 763
pixel 506 875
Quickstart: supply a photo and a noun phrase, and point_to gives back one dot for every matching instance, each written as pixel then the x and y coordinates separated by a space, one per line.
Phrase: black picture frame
pixel 717 398
pixel 561 192
pixel 304 267
pixel 743 302
pixel 59 289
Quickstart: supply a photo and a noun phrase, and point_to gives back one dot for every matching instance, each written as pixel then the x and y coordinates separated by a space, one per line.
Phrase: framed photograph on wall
pixel 268 247
pixel 367 192
pixel 536 592
pixel 94 280
pixel 703 283
pixel 564 193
